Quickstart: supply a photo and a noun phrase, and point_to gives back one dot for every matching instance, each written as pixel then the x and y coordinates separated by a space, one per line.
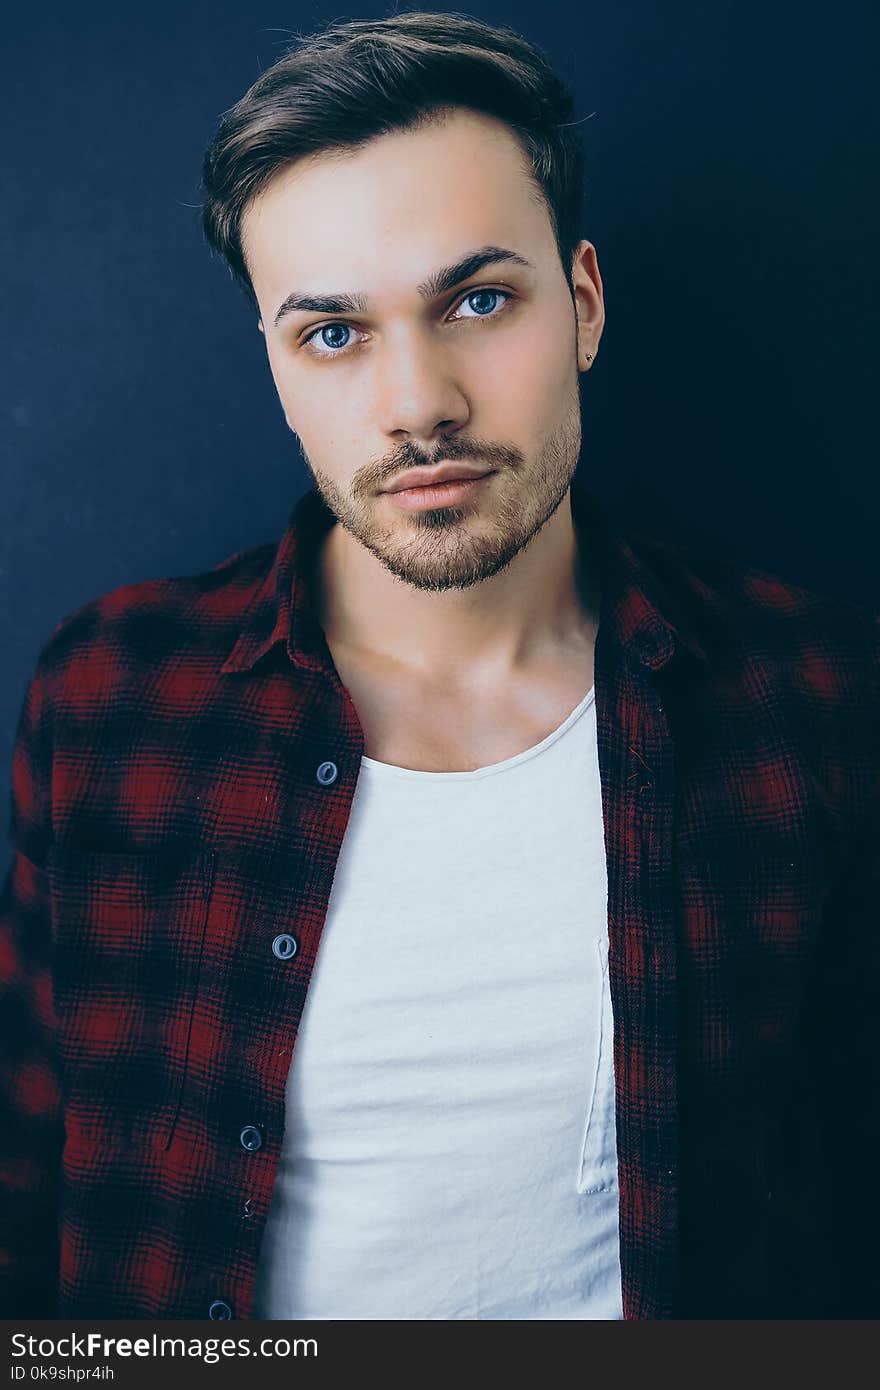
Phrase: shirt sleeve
pixel 31 1123
pixel 839 1216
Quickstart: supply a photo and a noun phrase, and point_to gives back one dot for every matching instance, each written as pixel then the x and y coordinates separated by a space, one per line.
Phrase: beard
pixel 440 548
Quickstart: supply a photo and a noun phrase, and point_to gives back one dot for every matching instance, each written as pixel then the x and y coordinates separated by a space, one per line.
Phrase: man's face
pixel 480 370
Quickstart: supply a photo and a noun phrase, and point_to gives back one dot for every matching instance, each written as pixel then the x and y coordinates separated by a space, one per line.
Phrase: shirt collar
pixel 638 612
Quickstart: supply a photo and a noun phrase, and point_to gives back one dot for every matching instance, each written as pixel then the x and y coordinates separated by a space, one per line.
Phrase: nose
pixel 417 393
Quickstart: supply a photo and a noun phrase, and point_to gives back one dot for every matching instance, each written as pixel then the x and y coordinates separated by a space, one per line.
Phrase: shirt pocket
pixel 128 933
pixel 597 1155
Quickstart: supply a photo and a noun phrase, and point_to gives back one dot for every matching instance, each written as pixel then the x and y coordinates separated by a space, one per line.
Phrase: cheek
pixel 323 417
pixel 528 382
pixel 331 435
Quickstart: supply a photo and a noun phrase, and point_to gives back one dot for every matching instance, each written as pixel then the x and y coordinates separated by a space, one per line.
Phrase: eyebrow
pixel 436 284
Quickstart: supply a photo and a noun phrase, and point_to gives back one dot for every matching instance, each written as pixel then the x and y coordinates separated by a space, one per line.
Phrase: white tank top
pixel 450 1144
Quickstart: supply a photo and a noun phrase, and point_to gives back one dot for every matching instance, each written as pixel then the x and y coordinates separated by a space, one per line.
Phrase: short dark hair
pixel 346 84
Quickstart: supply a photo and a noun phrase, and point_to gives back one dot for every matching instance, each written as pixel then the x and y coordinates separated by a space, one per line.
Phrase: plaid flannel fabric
pixel 183 770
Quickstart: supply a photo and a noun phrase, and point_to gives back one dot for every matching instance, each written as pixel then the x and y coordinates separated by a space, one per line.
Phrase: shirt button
pixel 327 773
pixel 284 946
pixel 251 1138
pixel 219 1309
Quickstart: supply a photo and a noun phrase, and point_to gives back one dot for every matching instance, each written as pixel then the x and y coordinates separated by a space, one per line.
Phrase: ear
pixel 589 301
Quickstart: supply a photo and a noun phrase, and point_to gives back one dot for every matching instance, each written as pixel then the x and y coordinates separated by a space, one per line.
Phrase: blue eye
pixel 482 309
pixel 334 328
pixel 330 340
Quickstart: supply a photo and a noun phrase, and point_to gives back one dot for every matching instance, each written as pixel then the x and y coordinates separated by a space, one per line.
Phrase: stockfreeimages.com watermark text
pixel 208 1349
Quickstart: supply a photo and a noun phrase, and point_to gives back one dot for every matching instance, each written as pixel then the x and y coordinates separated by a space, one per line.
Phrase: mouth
pixel 449 493
pixel 437 473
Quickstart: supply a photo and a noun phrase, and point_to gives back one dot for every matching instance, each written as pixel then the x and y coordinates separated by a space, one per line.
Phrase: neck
pixel 543 605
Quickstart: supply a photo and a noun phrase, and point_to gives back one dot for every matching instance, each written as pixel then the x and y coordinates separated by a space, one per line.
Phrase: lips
pixel 442 473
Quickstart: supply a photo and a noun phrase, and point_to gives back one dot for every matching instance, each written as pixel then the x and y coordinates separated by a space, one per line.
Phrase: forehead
pixel 404 203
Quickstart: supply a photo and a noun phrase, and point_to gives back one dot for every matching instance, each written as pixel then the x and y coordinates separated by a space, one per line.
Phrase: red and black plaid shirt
pixel 183 772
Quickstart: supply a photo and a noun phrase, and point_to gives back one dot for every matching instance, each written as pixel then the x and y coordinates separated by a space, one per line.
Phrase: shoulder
pixel 828 644
pixel 791 671
pixel 153 621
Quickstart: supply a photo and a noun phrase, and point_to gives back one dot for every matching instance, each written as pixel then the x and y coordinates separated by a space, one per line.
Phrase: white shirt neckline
pixel 491 768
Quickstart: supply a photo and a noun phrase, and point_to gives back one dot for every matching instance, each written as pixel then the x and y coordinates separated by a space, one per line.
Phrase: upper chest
pixel 453 727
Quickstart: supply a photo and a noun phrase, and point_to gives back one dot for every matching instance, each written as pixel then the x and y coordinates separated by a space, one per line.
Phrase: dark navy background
pixel 731 176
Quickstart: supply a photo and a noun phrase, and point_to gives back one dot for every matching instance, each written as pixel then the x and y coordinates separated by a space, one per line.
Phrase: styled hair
pixel 351 82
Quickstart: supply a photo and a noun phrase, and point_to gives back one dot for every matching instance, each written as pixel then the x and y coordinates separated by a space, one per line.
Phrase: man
pixel 456 910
